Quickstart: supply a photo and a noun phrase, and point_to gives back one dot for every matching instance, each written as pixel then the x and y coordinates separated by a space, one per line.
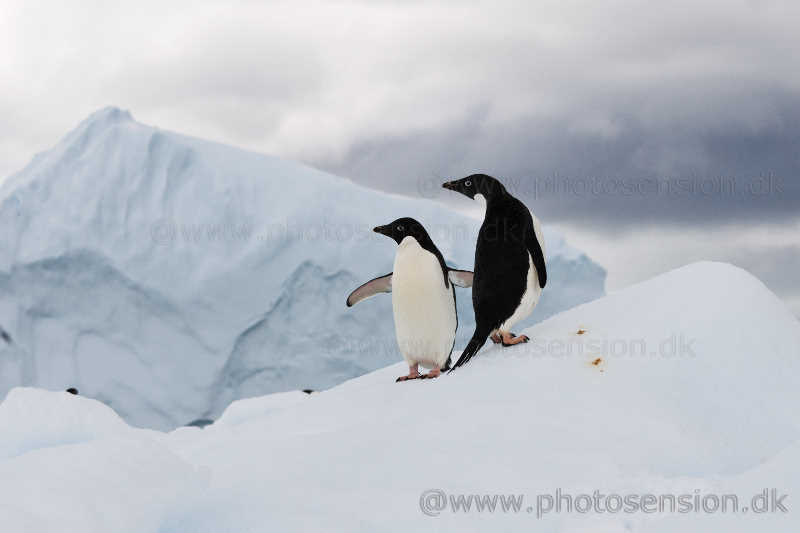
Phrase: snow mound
pixel 33 419
pixel 115 484
pixel 168 276
pixel 245 410
pixel 605 397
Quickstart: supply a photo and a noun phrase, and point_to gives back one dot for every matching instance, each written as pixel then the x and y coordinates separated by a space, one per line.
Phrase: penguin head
pixel 402 228
pixel 476 184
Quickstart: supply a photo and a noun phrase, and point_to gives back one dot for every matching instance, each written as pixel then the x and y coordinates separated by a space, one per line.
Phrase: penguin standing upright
pixel 423 298
pixel 510 270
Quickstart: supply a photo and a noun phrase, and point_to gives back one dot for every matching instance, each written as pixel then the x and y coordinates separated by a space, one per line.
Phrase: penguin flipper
pixel 537 255
pixel 460 278
pixel 370 288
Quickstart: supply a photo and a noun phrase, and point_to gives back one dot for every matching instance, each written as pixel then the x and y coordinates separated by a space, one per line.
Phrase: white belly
pixel 532 289
pixel 529 299
pixel 424 309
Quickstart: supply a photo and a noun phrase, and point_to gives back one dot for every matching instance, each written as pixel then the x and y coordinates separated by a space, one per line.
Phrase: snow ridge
pixel 570 410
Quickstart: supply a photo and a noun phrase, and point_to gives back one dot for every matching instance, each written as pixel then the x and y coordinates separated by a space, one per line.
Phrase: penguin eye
pixel 400 228
pixel 468 183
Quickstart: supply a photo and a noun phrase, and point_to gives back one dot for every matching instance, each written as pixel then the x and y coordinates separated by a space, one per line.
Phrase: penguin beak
pixel 383 230
pixel 452 185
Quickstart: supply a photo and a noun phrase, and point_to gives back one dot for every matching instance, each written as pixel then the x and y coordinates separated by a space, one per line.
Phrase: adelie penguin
pixel 510 270
pixel 423 298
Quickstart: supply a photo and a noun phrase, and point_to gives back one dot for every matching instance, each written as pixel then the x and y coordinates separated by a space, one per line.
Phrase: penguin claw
pixel 513 339
pixel 408 378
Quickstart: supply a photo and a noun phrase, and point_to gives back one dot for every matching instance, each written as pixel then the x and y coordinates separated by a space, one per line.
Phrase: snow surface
pixel 168 276
pixel 717 416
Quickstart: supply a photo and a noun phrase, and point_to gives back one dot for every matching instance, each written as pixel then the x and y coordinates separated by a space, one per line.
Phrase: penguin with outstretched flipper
pixel 423 298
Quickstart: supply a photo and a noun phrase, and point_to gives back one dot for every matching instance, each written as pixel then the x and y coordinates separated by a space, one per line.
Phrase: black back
pixel 501 260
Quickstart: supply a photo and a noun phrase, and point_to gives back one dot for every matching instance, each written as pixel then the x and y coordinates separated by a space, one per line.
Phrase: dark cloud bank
pixel 606 117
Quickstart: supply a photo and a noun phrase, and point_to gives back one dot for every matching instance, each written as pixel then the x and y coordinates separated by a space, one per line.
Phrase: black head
pixel 476 184
pixel 402 228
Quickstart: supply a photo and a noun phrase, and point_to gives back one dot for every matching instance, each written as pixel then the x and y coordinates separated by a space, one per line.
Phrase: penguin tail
pixel 475 344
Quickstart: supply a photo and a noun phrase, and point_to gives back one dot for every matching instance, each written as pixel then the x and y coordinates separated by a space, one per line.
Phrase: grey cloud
pixel 576 89
pixel 397 95
pixel 678 174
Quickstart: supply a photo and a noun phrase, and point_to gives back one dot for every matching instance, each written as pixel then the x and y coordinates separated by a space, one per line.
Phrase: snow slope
pixel 167 276
pixel 622 408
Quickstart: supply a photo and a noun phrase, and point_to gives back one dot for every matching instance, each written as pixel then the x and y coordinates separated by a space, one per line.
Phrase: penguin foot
pixel 496 338
pixel 413 373
pixel 435 373
pixel 510 339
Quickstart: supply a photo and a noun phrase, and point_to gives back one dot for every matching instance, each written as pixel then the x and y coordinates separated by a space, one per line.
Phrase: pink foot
pixel 413 373
pixel 509 339
pixel 435 373
pixel 496 338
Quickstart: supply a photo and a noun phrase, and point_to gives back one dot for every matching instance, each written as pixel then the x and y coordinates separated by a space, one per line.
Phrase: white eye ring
pixel 399 228
pixel 468 183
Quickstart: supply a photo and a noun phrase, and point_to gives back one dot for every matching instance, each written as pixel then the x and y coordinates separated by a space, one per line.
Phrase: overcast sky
pixel 652 134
